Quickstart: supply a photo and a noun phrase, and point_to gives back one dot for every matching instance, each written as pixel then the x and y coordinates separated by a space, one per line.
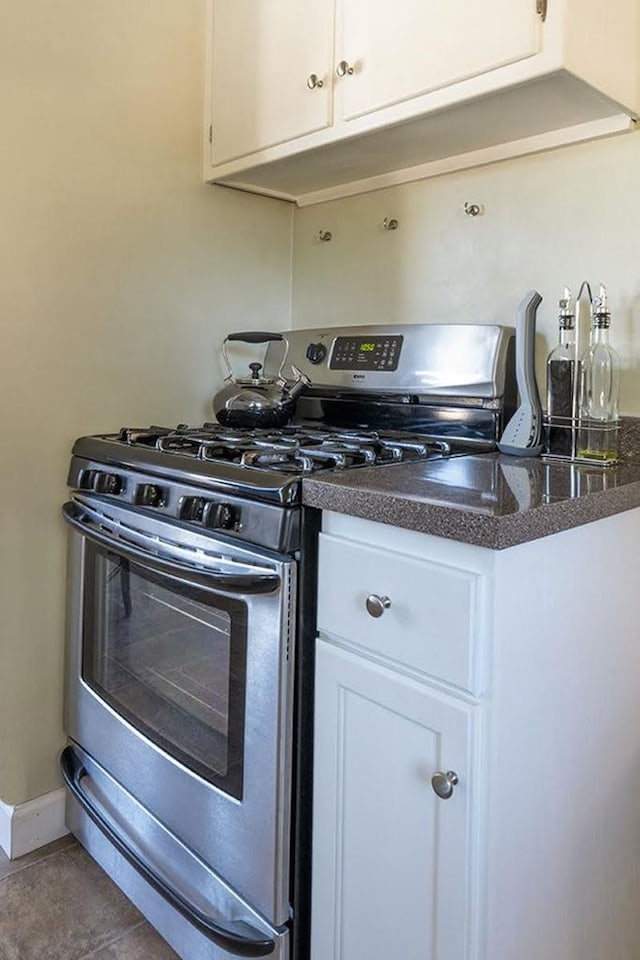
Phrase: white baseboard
pixel 5 827
pixel 30 825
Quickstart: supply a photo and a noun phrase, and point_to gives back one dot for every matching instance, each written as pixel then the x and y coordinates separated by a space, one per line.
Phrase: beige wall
pixel 549 220
pixel 119 273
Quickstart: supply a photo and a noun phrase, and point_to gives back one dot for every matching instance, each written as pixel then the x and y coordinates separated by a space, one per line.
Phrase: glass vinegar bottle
pixel 562 384
pixel 598 426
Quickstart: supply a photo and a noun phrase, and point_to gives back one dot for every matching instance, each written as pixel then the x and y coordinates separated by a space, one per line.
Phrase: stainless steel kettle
pixel 258 401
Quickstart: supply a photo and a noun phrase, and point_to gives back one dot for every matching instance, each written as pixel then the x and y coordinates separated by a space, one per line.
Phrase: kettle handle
pixel 255 336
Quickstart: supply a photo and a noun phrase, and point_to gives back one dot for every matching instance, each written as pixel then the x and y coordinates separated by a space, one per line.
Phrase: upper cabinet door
pixel 271 73
pixel 403 49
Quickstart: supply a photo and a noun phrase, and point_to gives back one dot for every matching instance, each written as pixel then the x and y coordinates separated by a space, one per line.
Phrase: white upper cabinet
pixel 403 49
pixel 310 102
pixel 269 68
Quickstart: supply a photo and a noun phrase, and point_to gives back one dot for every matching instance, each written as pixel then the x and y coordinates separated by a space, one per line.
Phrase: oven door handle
pixel 170 568
pixel 235 936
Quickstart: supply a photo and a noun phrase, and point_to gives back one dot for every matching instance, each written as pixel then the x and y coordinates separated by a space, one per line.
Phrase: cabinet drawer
pixel 433 617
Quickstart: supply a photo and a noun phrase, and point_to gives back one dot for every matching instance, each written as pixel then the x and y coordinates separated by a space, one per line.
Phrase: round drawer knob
pixel 443 783
pixel 376 605
pixel 314 82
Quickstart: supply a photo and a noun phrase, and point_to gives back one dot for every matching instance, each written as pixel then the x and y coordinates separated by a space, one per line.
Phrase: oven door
pixel 179 686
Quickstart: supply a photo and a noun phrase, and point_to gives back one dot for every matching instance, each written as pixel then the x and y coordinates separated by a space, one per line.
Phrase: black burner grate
pixel 296 449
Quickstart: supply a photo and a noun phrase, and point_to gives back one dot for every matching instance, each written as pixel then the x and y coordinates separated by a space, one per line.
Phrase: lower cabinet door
pixel 391 858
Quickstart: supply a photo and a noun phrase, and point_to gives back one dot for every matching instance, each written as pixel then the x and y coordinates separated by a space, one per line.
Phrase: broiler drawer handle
pixel 235 936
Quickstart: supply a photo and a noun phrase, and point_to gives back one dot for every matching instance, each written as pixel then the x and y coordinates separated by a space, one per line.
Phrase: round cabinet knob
pixel 344 68
pixel 314 82
pixel 376 605
pixel 443 783
pixel 316 352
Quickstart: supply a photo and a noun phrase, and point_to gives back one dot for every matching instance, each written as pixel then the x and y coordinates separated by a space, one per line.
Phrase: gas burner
pixel 289 461
pixel 148 436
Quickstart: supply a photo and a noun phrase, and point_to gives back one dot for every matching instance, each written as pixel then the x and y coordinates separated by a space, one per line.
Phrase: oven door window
pixel 170 658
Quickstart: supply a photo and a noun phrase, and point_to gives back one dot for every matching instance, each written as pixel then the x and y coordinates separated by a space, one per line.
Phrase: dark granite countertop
pixel 490 500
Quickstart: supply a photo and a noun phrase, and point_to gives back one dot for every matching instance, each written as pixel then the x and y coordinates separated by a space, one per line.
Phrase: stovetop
pixel 293 450
pixel 244 483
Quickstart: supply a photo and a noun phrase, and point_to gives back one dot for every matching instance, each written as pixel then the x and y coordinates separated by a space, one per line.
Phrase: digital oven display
pixel 370 353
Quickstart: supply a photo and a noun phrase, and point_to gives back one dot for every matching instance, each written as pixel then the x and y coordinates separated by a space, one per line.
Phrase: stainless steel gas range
pixel 191 626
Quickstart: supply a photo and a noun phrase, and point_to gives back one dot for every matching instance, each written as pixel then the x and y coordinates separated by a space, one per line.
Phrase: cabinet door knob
pixel 376 605
pixel 443 783
pixel 344 68
pixel 314 82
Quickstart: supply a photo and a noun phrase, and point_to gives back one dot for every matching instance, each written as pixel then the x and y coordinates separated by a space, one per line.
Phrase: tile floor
pixel 57 904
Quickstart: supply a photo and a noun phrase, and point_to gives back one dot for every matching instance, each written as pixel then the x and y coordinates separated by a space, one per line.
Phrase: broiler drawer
pixel 431 622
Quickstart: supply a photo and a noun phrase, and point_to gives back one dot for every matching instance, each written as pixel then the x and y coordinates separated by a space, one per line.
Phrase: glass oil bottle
pixel 598 426
pixel 563 378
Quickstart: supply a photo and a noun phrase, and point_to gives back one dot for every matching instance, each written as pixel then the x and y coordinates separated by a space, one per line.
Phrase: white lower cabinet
pixel 391 858
pixel 516 670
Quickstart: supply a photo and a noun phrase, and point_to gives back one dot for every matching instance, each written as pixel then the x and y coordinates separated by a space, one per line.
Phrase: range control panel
pixel 199 509
pixel 468 360
pixel 366 353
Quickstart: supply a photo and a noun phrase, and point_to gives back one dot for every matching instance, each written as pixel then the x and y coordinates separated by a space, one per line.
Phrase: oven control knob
pixel 150 495
pixel 316 352
pixel 192 508
pixel 108 483
pixel 88 479
pixel 220 516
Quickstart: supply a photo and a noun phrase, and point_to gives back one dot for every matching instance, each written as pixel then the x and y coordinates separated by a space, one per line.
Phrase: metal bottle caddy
pixel 563 429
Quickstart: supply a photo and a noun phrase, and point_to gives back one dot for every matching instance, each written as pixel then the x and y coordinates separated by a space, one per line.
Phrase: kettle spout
pixel 299 386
